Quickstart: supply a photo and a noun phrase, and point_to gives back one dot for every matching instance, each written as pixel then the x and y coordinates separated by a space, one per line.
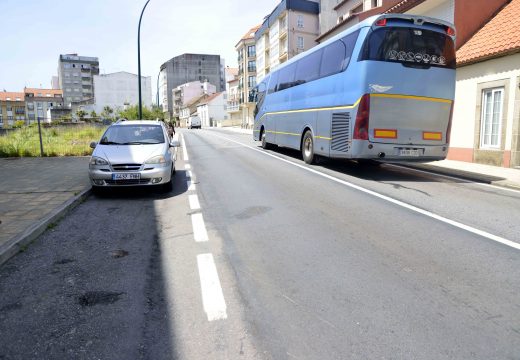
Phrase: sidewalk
pixel 34 193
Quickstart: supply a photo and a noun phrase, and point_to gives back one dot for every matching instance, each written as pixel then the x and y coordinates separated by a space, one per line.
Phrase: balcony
pixel 251 69
pixel 233 108
pixel 283 55
pixel 283 33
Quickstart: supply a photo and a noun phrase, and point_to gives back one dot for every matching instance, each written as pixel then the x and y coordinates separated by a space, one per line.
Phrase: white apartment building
pixel 212 111
pixel 183 94
pixel 120 89
pixel 290 29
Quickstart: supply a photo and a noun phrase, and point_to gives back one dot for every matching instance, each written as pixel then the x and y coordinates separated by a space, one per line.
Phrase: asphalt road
pixel 255 255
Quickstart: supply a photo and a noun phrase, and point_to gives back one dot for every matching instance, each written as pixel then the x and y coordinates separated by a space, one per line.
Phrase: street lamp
pixel 139 61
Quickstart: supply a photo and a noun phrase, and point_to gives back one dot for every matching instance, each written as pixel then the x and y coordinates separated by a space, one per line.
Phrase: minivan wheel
pixel 308 148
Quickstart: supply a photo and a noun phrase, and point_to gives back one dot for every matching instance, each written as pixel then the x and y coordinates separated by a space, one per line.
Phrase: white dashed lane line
pixel 212 295
pixel 194 202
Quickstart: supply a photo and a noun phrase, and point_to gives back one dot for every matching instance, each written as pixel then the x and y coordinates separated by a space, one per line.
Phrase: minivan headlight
pixel 98 161
pixel 159 159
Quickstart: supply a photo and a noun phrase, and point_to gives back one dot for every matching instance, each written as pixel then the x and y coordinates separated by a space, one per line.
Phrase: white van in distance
pixel 194 122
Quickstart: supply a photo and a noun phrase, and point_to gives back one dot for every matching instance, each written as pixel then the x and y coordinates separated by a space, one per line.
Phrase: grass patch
pixel 57 141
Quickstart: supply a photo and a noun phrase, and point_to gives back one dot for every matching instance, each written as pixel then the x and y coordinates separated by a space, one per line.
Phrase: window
pixel 251 65
pixel 492 104
pixel 286 77
pixel 258 96
pixel 251 51
pixel 411 47
pixel 273 82
pixel 308 68
pixel 251 81
pixel 336 56
pixel 299 21
pixel 299 42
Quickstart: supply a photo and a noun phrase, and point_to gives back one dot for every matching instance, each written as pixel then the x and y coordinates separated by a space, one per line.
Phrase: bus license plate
pixel 126 176
pixel 409 152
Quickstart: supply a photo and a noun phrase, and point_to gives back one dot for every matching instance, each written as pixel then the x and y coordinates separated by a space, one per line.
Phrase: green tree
pixel 132 113
pixel 107 112
pixel 81 114
pixel 93 116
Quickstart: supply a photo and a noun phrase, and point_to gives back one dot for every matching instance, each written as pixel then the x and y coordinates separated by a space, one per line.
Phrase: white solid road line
pixel 212 296
pixel 187 166
pixel 191 186
pixel 387 198
pixel 184 151
pixel 199 228
pixel 194 202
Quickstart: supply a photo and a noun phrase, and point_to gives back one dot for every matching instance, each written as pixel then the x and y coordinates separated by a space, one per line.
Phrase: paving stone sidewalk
pixel 35 190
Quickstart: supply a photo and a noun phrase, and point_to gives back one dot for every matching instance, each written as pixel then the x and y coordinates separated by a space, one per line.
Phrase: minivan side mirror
pixel 175 143
pixel 93 145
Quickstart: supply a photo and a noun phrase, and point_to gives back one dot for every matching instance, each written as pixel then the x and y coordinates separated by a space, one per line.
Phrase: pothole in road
pixel 116 254
pixel 92 298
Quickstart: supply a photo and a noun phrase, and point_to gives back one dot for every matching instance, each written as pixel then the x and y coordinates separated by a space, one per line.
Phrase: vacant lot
pixel 57 141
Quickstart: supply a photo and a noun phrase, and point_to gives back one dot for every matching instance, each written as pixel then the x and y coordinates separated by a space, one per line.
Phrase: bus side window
pixel 286 77
pixel 273 82
pixel 333 58
pixel 350 42
pixel 308 68
pixel 260 97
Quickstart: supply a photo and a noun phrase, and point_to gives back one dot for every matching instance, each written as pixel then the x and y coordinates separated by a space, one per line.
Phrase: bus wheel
pixel 308 148
pixel 265 144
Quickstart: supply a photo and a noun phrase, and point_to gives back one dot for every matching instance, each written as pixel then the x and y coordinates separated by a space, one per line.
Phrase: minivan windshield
pixel 410 46
pixel 133 135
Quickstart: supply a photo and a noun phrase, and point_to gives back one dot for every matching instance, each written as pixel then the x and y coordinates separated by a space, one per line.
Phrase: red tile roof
pixel 12 96
pixel 499 37
pixel 209 99
pixel 251 33
pixel 44 92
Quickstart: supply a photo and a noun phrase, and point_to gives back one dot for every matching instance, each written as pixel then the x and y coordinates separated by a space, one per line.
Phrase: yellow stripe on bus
pixel 412 97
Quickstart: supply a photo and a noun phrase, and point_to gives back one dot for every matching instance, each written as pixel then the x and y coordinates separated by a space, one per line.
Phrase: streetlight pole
pixel 139 61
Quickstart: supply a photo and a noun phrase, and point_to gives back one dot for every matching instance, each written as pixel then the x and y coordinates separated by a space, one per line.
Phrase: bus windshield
pixel 410 46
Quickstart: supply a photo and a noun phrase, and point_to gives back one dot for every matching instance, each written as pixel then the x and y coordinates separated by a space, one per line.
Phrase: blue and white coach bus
pixel 382 89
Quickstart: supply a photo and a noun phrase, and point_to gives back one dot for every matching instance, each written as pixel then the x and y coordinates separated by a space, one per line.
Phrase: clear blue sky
pixel 35 32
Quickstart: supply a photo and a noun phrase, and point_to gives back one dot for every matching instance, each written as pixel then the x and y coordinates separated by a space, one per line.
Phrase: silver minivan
pixel 133 153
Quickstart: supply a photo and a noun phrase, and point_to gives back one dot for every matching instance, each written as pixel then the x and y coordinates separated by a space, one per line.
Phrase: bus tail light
pixel 448 131
pixel 363 113
pixel 450 31
pixel 381 22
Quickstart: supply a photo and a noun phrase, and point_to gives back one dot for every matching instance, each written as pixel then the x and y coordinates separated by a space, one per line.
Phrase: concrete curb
pixel 15 244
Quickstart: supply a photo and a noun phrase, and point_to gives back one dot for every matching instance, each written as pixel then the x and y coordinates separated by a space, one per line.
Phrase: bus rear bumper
pixel 394 152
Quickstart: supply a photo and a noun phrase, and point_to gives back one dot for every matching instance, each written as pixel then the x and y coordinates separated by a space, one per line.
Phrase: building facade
pixel 212 111
pixel 246 50
pixel 120 89
pixel 233 101
pixel 76 77
pixel 38 102
pixel 184 93
pixel 188 68
pixel 12 108
pixel 290 29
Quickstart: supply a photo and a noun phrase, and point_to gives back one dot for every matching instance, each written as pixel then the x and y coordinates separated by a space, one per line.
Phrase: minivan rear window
pixel 410 46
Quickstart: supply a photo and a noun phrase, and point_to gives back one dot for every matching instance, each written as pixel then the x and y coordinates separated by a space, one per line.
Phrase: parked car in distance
pixel 133 153
pixel 194 122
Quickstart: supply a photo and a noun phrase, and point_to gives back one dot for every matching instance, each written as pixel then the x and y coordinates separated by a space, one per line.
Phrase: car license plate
pixel 126 176
pixel 409 152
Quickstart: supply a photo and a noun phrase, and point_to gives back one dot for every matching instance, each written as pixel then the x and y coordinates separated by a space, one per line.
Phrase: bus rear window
pixel 412 46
